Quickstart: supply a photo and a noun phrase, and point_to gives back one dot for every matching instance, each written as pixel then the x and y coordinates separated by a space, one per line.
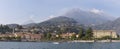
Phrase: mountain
pixel 113 25
pixel 29 22
pixel 78 16
pixel 30 25
pixel 12 25
pixel 61 20
pixel 88 17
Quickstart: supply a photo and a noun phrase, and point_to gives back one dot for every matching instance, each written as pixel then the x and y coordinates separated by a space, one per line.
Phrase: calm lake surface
pixel 46 45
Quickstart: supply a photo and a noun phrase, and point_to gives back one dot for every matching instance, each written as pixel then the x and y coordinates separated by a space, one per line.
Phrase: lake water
pixel 45 45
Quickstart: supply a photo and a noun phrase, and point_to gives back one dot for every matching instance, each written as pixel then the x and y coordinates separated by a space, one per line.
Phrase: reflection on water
pixel 45 45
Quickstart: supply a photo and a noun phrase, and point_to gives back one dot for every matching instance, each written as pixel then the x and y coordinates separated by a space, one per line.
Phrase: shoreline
pixel 70 41
pixel 95 41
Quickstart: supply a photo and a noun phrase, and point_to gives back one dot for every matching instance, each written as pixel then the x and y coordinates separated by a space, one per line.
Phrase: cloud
pixel 32 17
pixel 96 11
pixel 51 16
pixel 63 11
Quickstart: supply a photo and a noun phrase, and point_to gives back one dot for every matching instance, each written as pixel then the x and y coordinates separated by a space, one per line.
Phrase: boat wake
pixel 56 43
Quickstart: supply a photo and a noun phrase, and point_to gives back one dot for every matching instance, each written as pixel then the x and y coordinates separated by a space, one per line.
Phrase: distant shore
pixel 95 41
pixel 69 41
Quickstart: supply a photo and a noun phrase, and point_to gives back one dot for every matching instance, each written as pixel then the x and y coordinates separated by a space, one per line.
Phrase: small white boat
pixel 56 43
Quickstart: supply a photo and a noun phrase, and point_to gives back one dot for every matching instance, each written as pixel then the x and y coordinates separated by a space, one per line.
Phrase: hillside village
pixel 54 34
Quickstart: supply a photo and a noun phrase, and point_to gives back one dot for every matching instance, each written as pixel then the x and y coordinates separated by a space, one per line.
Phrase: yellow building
pixel 103 33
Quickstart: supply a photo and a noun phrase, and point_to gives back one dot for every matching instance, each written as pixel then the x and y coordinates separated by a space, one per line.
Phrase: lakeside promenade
pixel 70 41
pixel 95 41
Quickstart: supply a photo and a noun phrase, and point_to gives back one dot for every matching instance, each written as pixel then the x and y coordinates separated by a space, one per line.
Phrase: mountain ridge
pixel 87 17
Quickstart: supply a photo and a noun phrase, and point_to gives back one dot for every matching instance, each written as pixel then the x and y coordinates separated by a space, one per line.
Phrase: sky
pixel 21 11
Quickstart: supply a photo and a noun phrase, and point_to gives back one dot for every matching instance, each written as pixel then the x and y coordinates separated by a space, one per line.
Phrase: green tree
pixel 7 38
pixel 81 31
pixel 19 27
pixel 89 33
pixel 73 37
pixel 18 38
pixel 48 36
pixel 4 29
pixel 106 37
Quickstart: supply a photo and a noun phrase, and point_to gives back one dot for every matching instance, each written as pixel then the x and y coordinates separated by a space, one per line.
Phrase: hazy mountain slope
pixel 78 16
pixel 87 17
pixel 13 25
pixel 115 25
pixel 29 22
pixel 61 20
pixel 30 25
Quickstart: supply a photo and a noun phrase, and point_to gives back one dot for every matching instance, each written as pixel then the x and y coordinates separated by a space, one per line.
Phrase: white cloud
pixel 63 11
pixel 32 17
pixel 97 11
pixel 51 16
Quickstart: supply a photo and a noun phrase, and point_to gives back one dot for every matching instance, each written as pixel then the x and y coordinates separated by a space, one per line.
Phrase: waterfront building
pixel 103 33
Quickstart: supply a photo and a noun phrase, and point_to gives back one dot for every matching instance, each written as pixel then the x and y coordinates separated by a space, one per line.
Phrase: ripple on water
pixel 65 45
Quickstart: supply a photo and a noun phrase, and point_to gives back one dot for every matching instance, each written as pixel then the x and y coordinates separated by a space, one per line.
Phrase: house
pixel 103 33
pixel 36 37
pixel 67 35
pixel 29 36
